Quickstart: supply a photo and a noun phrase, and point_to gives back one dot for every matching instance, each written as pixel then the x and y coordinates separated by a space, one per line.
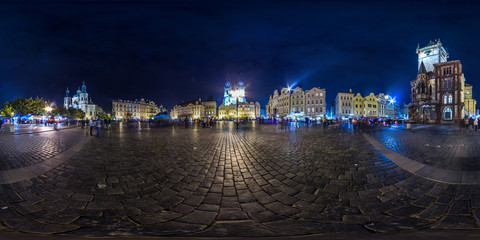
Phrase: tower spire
pixel 422 69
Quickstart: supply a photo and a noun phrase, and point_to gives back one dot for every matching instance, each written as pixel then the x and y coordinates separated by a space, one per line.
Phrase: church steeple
pixel 67 93
pixel 84 88
pixel 422 69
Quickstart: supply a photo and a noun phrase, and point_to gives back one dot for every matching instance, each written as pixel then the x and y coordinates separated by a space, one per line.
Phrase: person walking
pixel 98 125
pixel 475 124
pixel 105 123
pixel 186 122
pixel 109 123
pixel 90 122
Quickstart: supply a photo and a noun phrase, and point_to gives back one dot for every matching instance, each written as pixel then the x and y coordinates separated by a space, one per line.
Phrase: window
pixel 445 99
pixel 447 114
pixel 316 101
pixel 450 98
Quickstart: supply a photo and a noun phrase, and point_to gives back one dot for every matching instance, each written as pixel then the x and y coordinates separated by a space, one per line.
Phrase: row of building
pixel 121 109
pixel 296 103
pixel 438 94
pixel 234 105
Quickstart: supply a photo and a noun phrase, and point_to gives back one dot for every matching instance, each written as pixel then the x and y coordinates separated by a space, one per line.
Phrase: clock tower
pixel 431 54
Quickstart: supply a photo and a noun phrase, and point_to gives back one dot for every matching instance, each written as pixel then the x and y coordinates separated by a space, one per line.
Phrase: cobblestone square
pixel 258 180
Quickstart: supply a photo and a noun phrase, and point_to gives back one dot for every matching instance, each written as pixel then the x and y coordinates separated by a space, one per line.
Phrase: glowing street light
pixel 392 100
pixel 48 109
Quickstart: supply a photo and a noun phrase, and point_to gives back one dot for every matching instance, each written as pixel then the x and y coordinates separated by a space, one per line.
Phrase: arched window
pixel 445 99
pixel 450 98
pixel 447 114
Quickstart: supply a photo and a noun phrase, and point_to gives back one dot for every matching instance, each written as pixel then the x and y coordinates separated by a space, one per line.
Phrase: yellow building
pixel 358 106
pixel 139 110
pixel 192 109
pixel 245 110
pixel 210 107
pixel 297 102
pixel 370 106
pixel 470 103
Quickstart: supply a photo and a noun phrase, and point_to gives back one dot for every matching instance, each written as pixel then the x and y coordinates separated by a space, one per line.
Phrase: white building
pixel 344 105
pixel 81 101
pixel 135 110
pixel 315 106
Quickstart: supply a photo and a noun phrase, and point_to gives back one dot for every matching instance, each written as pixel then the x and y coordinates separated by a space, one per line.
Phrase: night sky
pixel 171 51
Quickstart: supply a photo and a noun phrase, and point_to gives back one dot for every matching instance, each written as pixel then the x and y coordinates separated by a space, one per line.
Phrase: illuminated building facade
pixel 135 110
pixel 210 107
pixel 192 109
pixel 438 94
pixel 229 109
pixel 232 94
pixel 315 106
pixel 470 103
pixel 450 91
pixel 279 104
pixel 370 104
pixel 81 101
pixel 358 108
pixel 297 102
pixel 386 106
pixel 344 105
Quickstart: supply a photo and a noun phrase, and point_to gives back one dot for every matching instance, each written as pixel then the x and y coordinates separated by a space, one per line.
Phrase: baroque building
pixel 358 109
pixel 370 104
pixel 81 101
pixel 315 105
pixel 296 103
pixel 192 109
pixel 297 98
pixel 386 106
pixel 135 110
pixel 470 103
pixel 235 104
pixel 437 94
pixel 344 104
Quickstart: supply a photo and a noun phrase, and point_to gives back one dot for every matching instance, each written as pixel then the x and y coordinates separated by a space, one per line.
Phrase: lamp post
pixel 237 110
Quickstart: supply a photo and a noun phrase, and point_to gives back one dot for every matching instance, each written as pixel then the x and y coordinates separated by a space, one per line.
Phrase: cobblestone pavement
pixel 257 181
pixel 18 151
pixel 459 151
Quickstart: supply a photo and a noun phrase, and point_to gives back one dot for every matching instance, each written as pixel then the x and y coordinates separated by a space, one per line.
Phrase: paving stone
pixel 207 181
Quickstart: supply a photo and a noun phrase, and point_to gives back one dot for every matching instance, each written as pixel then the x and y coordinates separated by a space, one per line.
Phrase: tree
pixel 101 115
pixel 39 105
pixel 76 113
pixel 60 111
pixel 7 110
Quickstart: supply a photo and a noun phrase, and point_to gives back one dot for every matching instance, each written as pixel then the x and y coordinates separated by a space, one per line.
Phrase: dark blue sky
pixel 170 51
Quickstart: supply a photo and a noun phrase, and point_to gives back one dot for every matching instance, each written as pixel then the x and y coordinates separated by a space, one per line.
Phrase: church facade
pixel 437 94
pixel 81 101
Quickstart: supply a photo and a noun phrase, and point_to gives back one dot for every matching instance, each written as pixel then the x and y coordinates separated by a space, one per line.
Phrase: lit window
pixel 445 99
pixel 447 114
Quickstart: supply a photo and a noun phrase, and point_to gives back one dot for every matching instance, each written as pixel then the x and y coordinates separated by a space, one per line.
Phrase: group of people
pixel 470 123
pixel 206 122
pixel 97 123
